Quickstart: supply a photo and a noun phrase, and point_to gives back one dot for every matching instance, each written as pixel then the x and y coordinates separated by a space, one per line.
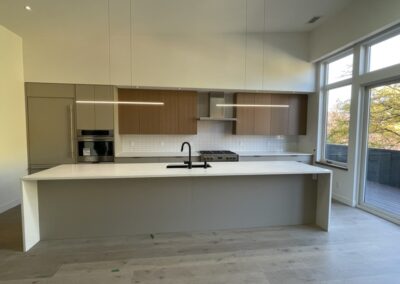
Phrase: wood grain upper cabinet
pixel 187 111
pixel 178 115
pixel 279 123
pixel 169 113
pixel 245 115
pixel 94 116
pixel 128 115
pixel 297 114
pixel 262 115
pixel 290 120
pixel 150 115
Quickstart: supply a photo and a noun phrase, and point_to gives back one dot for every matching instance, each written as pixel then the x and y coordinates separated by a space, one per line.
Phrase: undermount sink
pixel 189 164
pixel 204 165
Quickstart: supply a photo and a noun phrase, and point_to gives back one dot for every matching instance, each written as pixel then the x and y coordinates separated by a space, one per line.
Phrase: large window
pixel 367 76
pixel 384 53
pixel 336 94
pixel 382 163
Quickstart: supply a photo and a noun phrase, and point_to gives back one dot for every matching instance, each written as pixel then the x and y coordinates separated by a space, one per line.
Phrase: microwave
pixel 95 146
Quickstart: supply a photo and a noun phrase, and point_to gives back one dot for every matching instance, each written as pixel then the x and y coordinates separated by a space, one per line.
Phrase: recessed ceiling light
pixel 28 8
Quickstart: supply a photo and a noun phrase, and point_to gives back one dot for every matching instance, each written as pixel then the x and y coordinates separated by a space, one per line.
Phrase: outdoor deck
pixel 383 196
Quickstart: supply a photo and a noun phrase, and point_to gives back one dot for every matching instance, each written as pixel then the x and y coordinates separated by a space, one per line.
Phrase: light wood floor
pixel 360 248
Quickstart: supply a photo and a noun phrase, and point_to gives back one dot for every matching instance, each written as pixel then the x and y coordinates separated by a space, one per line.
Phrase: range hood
pixel 215 112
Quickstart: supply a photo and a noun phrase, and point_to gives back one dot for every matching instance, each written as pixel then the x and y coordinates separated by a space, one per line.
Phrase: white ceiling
pixel 281 15
pixel 293 15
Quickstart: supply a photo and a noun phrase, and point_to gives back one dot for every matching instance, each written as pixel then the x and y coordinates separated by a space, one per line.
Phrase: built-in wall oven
pixel 95 146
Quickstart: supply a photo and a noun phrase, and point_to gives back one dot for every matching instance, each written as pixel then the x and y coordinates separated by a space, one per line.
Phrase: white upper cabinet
pixel 214 44
pixel 189 43
pixel 254 44
pixel 120 43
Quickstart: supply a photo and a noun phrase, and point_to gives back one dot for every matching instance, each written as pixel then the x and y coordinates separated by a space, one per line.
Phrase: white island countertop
pixel 155 170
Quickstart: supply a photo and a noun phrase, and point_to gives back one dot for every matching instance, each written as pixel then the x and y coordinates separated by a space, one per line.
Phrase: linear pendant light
pixel 121 103
pixel 251 105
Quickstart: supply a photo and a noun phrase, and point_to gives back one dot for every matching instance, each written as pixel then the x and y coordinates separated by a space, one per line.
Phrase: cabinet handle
pixel 71 128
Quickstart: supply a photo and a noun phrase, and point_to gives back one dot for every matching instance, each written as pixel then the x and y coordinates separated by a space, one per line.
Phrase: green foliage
pixel 384 119
pixel 384 124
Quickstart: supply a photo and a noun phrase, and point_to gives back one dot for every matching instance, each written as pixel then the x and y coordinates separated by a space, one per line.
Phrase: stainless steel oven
pixel 95 146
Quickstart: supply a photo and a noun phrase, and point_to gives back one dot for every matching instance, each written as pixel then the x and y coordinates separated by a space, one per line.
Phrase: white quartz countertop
pixel 155 170
pixel 196 153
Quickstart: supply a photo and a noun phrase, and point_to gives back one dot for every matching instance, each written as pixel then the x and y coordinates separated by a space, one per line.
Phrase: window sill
pixel 333 166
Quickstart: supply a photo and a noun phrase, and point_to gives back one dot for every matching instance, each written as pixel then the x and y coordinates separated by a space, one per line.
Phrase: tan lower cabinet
pixel 178 115
pixel 94 116
pixel 291 120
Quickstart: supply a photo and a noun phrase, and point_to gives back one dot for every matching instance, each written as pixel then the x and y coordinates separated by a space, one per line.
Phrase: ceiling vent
pixel 314 19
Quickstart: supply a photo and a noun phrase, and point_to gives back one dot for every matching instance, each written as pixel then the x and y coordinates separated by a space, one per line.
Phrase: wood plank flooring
pixel 360 248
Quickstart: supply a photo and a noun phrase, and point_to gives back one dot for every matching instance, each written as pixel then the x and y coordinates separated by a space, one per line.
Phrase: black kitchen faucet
pixel 190 153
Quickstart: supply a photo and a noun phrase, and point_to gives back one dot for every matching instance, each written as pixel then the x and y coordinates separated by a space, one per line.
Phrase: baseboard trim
pixel 9 205
pixel 342 199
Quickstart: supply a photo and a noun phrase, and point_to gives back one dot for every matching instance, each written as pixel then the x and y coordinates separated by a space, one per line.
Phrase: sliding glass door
pixel 381 152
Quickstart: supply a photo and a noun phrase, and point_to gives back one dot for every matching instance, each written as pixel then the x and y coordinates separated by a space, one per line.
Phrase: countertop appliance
pixel 95 146
pixel 218 156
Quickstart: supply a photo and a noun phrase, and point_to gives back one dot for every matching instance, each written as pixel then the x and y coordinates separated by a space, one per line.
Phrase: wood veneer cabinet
pixel 178 115
pixel 271 121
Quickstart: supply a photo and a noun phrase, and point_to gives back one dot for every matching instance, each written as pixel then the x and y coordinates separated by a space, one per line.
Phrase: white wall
pixel 13 144
pixel 360 19
pixel 210 44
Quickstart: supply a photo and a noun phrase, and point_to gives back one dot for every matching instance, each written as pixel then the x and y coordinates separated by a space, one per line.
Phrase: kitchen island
pixel 101 200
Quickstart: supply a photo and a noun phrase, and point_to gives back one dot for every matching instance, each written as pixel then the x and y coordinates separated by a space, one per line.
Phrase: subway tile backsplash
pixel 211 135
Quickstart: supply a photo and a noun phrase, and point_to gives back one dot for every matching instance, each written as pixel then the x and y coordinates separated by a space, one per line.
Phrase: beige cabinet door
pixel 85 113
pixel 51 131
pixel 50 90
pixel 104 113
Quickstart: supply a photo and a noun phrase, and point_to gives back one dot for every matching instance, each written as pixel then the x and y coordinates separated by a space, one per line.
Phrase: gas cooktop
pixel 218 156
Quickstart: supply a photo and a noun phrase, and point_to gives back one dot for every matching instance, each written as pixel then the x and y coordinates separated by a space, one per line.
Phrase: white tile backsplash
pixel 211 135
